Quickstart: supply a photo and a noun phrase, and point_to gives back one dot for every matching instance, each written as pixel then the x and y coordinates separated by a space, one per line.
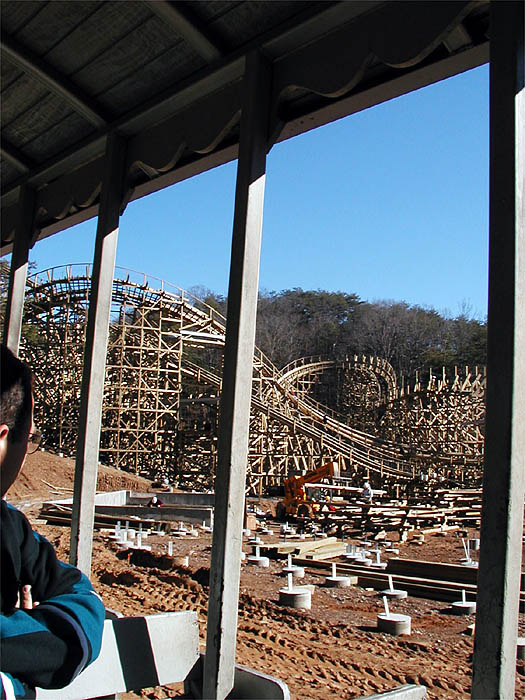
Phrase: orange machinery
pixel 296 502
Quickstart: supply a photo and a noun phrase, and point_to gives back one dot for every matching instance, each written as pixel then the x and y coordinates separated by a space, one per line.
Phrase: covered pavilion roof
pixel 168 77
pixel 140 95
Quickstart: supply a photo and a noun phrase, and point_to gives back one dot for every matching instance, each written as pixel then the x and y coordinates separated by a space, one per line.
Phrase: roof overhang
pixel 328 60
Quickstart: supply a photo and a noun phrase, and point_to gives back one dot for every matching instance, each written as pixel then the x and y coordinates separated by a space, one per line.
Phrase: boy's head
pixel 16 415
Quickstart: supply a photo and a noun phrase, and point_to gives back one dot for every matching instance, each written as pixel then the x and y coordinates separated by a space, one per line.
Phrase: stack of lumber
pixel 444 508
pixel 438 571
pixel 312 550
pixel 422 579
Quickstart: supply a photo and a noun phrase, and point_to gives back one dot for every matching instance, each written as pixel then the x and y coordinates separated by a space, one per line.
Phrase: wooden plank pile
pixel 311 550
pixel 444 510
pixel 422 579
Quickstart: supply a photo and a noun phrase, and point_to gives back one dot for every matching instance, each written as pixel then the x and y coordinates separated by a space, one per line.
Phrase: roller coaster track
pixel 356 448
pixel 164 358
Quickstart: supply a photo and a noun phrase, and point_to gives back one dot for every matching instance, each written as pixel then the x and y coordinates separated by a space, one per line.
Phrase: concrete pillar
pixel 86 465
pixel 24 234
pixel 219 665
pixel 504 470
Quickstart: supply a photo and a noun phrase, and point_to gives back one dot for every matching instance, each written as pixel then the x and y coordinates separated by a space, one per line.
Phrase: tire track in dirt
pixel 312 653
pixel 317 660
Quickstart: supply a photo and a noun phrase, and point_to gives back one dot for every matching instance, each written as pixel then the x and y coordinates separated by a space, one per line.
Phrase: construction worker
pixel 367 493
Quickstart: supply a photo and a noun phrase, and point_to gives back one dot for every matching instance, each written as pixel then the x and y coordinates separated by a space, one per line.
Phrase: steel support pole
pixel 499 575
pixel 219 664
pixel 24 233
pixel 92 391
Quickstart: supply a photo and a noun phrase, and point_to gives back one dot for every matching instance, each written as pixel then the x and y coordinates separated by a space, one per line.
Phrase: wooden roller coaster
pixel 163 383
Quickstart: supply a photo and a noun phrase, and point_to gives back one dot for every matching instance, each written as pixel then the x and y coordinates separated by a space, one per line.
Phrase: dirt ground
pixel 330 651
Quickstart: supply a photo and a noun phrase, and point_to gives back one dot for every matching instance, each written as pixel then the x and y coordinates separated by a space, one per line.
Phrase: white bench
pixel 137 652
pixel 144 652
pixel 402 692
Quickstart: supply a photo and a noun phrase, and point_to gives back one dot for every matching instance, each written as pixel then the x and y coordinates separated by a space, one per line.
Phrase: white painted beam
pixel 97 331
pixel 24 234
pixel 219 665
pixel 499 575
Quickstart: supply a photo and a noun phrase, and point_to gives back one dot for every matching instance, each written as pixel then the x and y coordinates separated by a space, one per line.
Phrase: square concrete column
pixel 504 469
pixel 90 419
pixel 219 664
pixel 24 234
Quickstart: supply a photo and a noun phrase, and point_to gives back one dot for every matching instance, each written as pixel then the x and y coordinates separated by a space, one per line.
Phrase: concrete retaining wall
pixel 110 498
pixel 167 513
pixel 182 499
pixel 188 507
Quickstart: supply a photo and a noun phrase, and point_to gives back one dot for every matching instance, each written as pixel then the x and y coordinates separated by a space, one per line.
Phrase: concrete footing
pixel 337 581
pixel 394 593
pixel 181 560
pixel 463 607
pixel 394 623
pixel 258 561
pixel 296 571
pixel 299 598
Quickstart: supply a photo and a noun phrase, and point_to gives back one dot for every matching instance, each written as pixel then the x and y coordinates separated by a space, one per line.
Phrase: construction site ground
pixel 331 651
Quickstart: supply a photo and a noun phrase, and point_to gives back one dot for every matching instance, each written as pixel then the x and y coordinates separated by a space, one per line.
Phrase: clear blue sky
pixel 390 203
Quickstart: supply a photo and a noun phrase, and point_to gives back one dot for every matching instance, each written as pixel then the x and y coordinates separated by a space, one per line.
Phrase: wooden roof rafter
pixel 181 21
pixel 16 157
pixel 53 81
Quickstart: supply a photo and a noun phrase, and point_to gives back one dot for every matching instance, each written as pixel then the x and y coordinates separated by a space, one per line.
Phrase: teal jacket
pixel 51 644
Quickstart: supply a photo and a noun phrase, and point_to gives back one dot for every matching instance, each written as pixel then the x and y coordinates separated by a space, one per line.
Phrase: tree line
pixel 298 323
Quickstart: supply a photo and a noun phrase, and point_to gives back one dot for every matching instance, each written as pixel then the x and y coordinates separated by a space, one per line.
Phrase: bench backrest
pixel 137 652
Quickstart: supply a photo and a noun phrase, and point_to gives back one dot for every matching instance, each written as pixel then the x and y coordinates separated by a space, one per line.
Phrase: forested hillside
pixel 295 323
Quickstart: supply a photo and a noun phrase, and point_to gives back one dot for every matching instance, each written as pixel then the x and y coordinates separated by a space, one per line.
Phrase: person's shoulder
pixel 14 522
pixel 10 512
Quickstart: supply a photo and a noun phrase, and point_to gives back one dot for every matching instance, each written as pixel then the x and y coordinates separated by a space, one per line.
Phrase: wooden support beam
pixel 494 664
pixel 237 382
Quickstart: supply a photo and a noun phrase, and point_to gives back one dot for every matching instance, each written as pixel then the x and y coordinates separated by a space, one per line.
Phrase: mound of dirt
pixel 45 476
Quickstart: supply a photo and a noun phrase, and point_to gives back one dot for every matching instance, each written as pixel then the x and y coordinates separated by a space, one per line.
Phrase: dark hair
pixel 16 387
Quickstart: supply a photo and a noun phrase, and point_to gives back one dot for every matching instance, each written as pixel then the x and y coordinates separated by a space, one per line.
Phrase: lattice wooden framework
pixel 163 382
